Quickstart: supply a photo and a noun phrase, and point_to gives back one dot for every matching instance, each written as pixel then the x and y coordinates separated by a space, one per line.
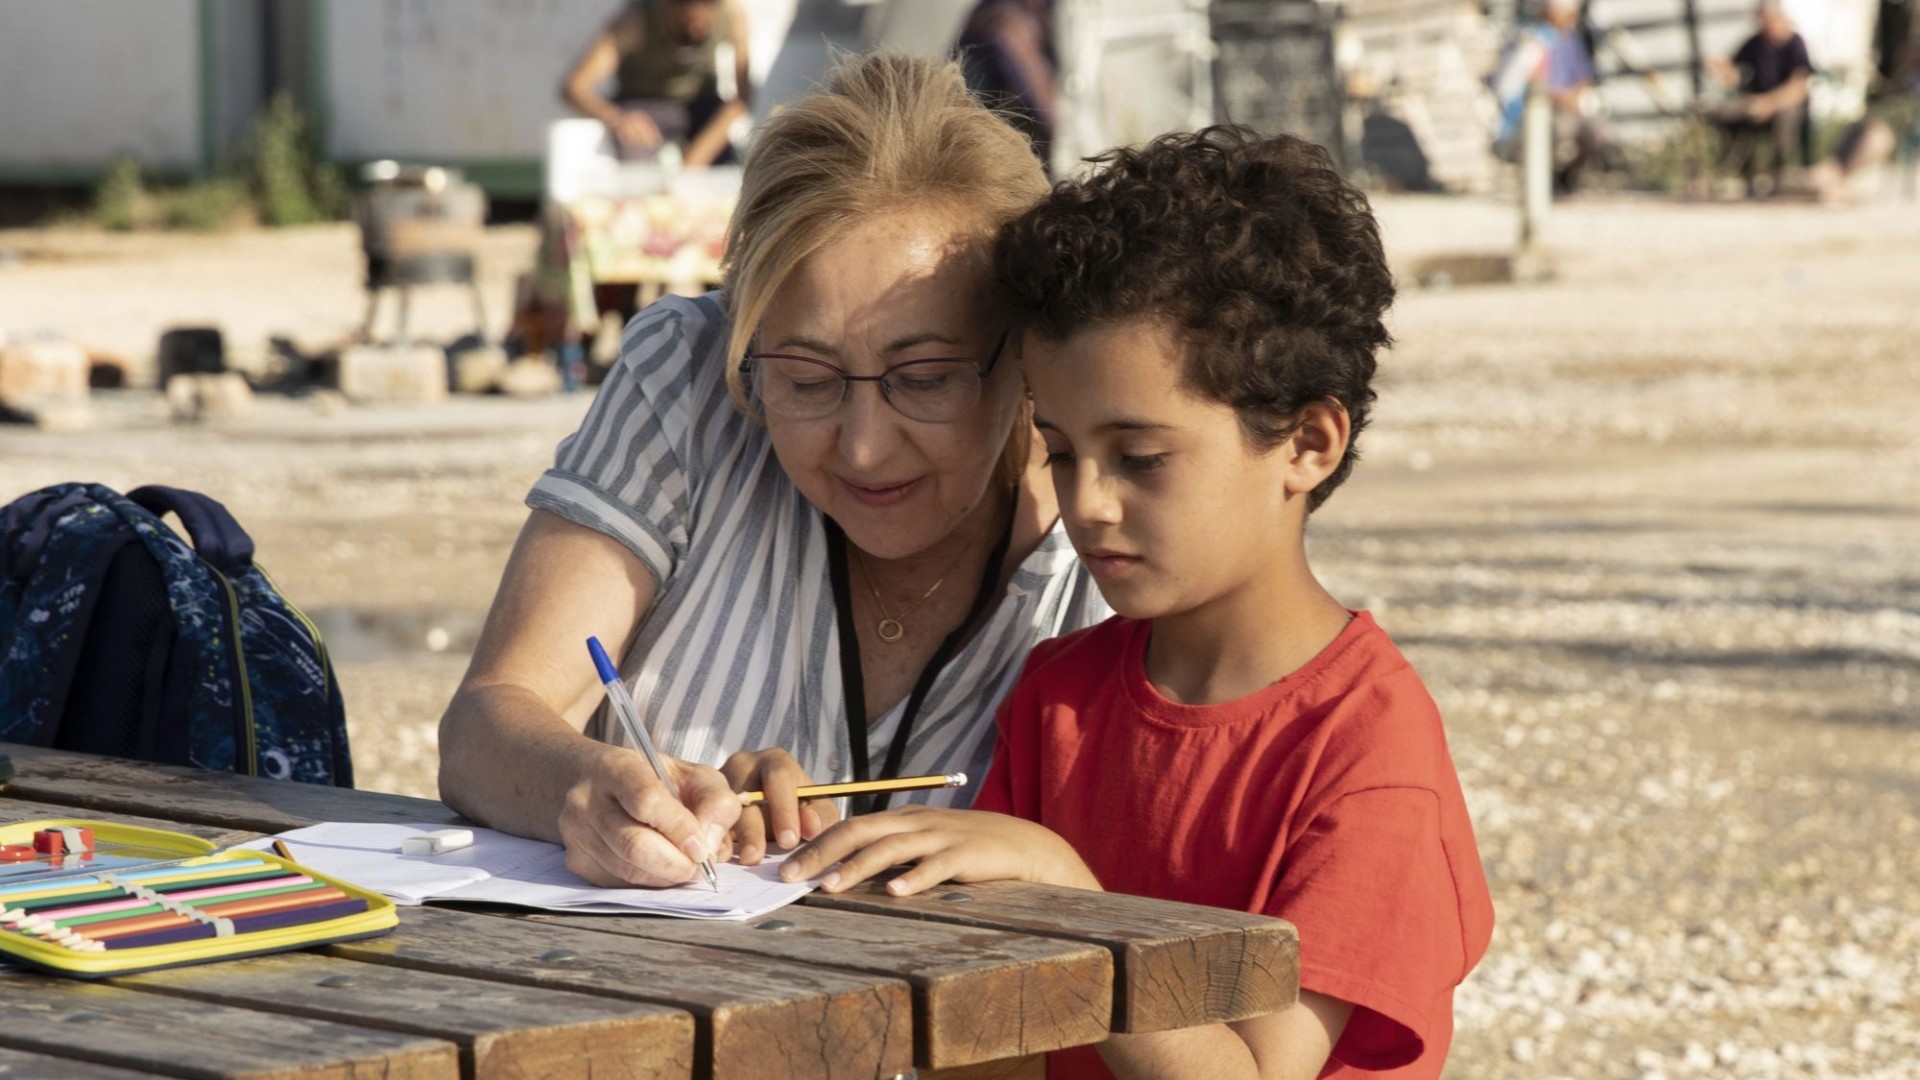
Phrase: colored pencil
pixel 48 905
pixel 162 872
pixel 251 924
pixel 192 897
pixel 300 898
pixel 862 787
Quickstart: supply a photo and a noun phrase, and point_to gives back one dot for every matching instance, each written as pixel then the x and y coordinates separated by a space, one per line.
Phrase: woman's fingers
pixel 781 819
pixel 750 836
pixel 607 846
pixel 711 801
pixel 817 816
pixel 780 776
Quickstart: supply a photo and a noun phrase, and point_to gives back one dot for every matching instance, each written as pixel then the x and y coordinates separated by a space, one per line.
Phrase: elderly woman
pixel 802 507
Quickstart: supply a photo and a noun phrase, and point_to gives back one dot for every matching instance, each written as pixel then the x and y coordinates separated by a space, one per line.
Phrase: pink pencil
pixel 104 906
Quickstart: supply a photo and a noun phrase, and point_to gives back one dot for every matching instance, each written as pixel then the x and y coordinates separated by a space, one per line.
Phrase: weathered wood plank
pixel 111 1025
pixel 756 1017
pixel 1175 965
pixel 12 809
pixel 504 1031
pixel 117 786
pixel 21 1065
pixel 979 995
pixel 1023 1068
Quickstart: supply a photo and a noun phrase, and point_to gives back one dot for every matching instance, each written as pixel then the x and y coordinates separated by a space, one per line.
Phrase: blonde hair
pixel 884 132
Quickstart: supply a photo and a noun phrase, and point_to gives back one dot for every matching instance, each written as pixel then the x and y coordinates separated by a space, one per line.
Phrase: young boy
pixel 1199 326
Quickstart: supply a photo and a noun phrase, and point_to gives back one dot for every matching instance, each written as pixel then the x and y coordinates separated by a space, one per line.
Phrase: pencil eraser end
pixel 958 779
pixel 608 673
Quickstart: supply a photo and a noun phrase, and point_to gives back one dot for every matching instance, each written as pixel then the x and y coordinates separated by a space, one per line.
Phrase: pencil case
pixel 93 898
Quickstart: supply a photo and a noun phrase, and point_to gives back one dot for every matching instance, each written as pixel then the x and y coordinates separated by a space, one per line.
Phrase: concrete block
pixel 478 370
pixel 378 373
pixel 39 372
pixel 225 396
pixel 530 377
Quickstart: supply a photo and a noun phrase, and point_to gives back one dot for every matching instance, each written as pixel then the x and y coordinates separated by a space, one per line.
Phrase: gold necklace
pixel 889 628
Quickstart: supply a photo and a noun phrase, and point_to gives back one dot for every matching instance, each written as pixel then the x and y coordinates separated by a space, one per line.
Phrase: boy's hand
pixel 784 817
pixel 944 845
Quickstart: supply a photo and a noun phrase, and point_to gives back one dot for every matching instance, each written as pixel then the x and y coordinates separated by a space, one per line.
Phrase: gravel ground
pixel 1648 530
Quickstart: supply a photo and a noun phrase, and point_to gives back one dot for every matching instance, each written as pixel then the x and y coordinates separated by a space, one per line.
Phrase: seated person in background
pixel 660 55
pixel 1772 73
pixel 1893 114
pixel 1550 57
pixel 1006 51
pixel 1198 323
pixel 1578 140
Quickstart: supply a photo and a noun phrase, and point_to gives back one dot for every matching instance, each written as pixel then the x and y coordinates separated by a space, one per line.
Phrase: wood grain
pixel 227 800
pixel 21 1065
pixel 504 1031
pixel 1175 965
pixel 756 1016
pixel 1024 1068
pixel 111 1025
pixel 979 995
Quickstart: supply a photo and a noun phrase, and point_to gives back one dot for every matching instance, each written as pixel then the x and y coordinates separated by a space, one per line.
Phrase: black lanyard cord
pixel 854 682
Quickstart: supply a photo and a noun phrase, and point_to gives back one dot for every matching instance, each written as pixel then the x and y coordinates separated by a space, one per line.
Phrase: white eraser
pixel 450 839
pixel 417 845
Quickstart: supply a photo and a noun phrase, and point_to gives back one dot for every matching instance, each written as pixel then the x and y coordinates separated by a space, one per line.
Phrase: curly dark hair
pixel 1264 260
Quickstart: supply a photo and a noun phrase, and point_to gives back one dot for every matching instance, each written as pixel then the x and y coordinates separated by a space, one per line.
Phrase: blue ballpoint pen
pixel 629 715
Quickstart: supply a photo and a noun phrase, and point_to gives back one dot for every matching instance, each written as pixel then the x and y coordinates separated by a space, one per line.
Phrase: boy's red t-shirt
pixel 1327 799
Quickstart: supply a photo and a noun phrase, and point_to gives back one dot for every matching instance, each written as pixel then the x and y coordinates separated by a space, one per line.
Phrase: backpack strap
pixel 216 536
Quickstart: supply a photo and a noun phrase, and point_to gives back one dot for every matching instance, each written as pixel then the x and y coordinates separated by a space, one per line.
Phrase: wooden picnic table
pixel 971 981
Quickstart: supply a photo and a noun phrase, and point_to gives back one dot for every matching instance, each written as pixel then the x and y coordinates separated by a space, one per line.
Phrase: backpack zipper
pixel 319 643
pixel 240 666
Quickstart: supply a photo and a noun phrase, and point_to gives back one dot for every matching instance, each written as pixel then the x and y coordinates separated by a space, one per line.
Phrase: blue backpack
pixel 117 638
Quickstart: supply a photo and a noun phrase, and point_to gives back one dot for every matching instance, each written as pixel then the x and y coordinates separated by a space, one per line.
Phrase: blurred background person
pixel 1551 56
pixel 661 57
pixel 1772 73
pixel 1006 52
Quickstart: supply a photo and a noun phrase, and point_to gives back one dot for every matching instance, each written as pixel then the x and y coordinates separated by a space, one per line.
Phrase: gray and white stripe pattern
pixel 741 648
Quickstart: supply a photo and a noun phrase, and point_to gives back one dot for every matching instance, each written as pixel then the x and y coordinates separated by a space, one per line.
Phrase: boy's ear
pixel 1318 443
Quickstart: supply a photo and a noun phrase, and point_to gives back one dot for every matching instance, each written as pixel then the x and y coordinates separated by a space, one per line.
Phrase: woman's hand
pixel 944 845
pixel 621 827
pixel 784 817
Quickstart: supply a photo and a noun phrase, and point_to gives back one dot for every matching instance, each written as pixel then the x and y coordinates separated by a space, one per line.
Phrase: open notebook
pixel 504 869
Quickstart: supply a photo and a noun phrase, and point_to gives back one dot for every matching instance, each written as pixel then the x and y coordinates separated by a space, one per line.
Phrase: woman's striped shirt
pixel 741 649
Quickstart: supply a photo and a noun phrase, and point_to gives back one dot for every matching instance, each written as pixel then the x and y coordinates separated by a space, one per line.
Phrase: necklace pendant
pixel 891 631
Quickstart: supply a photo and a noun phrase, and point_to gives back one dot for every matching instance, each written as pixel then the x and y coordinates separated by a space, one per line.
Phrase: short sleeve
pixel 631 468
pixel 996 790
pixel 1798 59
pixel 1370 886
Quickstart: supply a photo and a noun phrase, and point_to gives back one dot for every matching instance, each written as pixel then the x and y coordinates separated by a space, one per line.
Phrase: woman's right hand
pixel 783 816
pixel 621 827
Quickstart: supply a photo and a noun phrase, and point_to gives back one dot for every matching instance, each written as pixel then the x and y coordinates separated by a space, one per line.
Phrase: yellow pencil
pixel 863 787
pixel 280 848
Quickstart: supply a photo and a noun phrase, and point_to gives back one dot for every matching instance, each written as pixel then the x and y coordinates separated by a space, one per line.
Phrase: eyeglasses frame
pixel 846 387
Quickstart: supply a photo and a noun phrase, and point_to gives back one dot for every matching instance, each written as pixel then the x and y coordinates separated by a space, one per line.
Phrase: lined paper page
pixel 504 869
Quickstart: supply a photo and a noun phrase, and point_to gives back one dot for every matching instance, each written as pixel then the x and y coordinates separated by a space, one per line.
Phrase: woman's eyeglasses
pixel 936 391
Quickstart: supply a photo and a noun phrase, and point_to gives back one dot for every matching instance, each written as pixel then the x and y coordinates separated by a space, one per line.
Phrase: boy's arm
pixel 1292 1044
pixel 943 845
